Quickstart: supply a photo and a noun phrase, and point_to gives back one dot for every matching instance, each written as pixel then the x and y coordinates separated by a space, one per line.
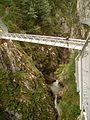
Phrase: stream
pixel 55 87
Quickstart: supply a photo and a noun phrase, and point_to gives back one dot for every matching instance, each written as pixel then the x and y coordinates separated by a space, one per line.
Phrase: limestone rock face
pixel 83 7
pixel 23 92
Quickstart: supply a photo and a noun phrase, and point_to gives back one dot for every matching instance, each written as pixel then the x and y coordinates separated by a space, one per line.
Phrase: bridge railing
pixel 83 78
pixel 47 40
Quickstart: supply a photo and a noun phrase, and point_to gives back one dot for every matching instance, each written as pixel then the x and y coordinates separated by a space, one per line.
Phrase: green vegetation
pixel 32 103
pixel 69 103
pixel 47 17
pixel 40 17
pixel 24 91
pixel 2 12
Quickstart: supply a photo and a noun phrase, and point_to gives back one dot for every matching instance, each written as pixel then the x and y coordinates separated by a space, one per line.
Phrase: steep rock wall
pixel 83 7
pixel 23 92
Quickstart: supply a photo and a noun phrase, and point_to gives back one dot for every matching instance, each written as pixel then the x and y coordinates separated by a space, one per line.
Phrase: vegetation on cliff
pixel 69 103
pixel 23 91
pixel 40 17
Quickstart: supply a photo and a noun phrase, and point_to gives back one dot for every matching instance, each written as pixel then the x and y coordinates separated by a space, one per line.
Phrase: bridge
pixel 82 61
pixel 41 39
pixel 46 40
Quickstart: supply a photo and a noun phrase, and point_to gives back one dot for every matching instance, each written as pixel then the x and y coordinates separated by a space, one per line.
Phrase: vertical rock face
pixel 23 92
pixel 83 7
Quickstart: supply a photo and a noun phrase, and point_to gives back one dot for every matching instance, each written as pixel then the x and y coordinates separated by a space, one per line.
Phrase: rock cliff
pixel 83 7
pixel 23 92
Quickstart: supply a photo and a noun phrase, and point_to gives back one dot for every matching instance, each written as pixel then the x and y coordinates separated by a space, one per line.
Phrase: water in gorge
pixel 55 87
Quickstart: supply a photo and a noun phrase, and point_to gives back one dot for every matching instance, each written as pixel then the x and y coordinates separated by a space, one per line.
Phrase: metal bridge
pixel 82 69
pixel 41 39
pixel 46 40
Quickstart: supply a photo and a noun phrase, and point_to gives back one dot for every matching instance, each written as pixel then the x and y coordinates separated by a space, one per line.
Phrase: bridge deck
pixel 46 40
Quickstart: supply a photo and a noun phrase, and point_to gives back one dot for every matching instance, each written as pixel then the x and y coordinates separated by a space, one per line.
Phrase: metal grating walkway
pixel 46 40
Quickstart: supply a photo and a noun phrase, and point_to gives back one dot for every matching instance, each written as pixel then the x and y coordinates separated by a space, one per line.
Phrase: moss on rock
pixel 23 92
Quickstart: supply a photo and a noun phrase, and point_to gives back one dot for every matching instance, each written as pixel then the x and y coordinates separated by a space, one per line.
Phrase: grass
pixel 69 103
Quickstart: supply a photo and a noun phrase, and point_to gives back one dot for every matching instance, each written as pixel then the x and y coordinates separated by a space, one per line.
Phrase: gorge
pixel 28 71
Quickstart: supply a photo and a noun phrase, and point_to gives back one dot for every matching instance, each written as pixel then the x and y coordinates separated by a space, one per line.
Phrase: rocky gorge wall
pixel 83 7
pixel 23 92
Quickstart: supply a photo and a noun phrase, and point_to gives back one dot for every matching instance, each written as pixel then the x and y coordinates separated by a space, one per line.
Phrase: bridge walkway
pixel 46 40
